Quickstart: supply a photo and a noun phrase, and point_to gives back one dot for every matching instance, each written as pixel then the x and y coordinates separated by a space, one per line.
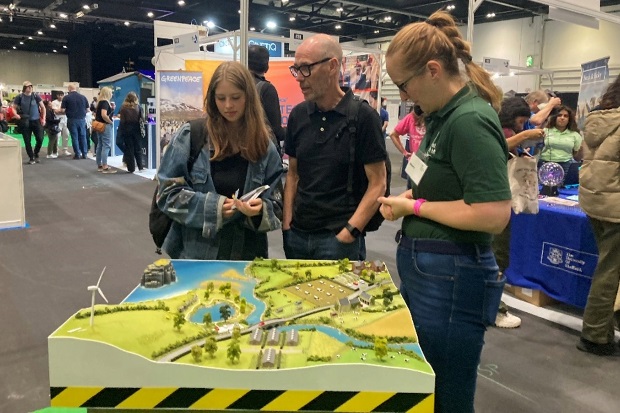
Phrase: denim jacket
pixel 190 199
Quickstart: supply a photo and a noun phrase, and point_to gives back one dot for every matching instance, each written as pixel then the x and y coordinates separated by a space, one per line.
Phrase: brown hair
pixel 438 38
pixel 611 98
pixel 572 123
pixel 253 143
pixel 131 100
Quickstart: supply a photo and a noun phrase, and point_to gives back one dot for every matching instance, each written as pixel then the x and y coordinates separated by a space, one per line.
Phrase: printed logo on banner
pixel 569 260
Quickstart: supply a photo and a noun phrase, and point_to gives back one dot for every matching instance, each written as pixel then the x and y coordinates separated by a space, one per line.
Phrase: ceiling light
pixel 291 18
pixel 340 9
pixel 86 7
pixel 388 18
pixel 376 32
pixel 52 26
pixel 15 47
pixel 271 24
pixel 64 46
pixel 126 23
pixel 79 14
pixel 490 15
pixel 11 6
pixel 210 24
pixel 63 15
pixel 150 14
pixel 40 33
pixel 55 51
pixel 252 29
pixel 21 43
pixel 451 7
pixel 0 19
pixel 181 3
pixel 29 37
pixel 338 27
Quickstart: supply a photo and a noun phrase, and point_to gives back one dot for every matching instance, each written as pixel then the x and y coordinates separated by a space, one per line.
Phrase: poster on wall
pixel 361 74
pixel 594 80
pixel 180 100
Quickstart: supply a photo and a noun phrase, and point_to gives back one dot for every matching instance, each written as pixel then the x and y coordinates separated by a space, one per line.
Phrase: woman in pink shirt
pixel 411 125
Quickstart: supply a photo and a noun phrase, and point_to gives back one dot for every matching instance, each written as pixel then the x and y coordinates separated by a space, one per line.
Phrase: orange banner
pixel 207 67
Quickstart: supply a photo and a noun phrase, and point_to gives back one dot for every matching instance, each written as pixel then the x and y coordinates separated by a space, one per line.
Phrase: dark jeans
pixel 77 129
pixel 452 298
pixel 321 245
pixel 28 128
pixel 132 154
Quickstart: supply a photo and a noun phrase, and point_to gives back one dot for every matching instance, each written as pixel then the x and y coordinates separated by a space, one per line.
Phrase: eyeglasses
pixel 305 69
pixel 403 86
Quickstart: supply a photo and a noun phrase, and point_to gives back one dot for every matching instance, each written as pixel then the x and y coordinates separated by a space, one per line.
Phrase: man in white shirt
pixel 64 131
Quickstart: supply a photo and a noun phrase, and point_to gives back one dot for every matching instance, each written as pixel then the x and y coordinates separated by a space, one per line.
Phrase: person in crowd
pixel 258 63
pixel 52 126
pixel 599 197
pixel 562 140
pixel 130 129
pixel 460 197
pixel 4 123
pixel 209 221
pixel 411 125
pixel 385 117
pixel 90 136
pixel 75 105
pixel 321 221
pixel 64 130
pixel 541 106
pixel 103 113
pixel 93 104
pixel 30 114
pixel 514 113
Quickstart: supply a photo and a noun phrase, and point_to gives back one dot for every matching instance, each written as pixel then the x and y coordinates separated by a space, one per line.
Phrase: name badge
pixel 416 168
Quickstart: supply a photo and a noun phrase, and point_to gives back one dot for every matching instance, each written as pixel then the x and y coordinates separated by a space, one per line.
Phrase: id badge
pixel 416 168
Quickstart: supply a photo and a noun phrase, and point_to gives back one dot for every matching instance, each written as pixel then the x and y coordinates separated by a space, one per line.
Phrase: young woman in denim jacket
pixel 209 222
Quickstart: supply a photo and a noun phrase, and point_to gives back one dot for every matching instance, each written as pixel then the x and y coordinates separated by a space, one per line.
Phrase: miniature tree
pixel 242 307
pixel 381 348
pixel 227 294
pixel 210 286
pixel 372 276
pixel 268 312
pixel 234 351
pixel 197 353
pixel 236 332
pixel 206 295
pixel 274 264
pixel 308 274
pixel 237 298
pixel 210 346
pixel 225 312
pixel 207 319
pixel 179 320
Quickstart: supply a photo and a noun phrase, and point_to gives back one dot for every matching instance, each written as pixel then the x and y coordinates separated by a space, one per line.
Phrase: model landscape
pixel 234 320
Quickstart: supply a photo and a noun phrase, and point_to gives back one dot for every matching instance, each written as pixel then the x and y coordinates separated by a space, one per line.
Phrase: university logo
pixel 555 256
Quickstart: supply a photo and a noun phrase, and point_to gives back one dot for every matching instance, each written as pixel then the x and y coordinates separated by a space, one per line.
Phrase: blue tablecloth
pixel 553 251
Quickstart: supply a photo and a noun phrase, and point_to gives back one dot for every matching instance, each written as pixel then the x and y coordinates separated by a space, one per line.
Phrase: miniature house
pixel 343 305
pixel 158 274
pixel 357 267
pixel 292 338
pixel 366 299
pixel 257 337
pixel 274 337
pixel 377 266
pixel 269 358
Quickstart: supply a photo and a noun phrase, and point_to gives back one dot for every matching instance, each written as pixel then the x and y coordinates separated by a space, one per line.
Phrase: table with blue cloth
pixel 553 251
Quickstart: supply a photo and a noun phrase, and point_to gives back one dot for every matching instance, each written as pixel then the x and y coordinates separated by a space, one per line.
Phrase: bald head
pixel 320 46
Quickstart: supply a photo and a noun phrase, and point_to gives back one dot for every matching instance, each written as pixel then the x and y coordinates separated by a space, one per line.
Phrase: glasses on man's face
pixel 305 69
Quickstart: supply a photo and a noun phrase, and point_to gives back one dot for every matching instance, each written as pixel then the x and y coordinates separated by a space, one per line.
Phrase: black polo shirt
pixel 320 143
pixel 75 105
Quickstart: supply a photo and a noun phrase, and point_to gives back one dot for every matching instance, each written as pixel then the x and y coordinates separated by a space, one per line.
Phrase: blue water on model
pixel 214 310
pixel 190 274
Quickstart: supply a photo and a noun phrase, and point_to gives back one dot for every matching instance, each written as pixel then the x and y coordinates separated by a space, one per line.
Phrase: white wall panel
pixel 38 68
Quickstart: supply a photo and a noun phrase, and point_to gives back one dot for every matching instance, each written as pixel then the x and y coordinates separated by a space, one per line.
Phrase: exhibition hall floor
pixel 80 221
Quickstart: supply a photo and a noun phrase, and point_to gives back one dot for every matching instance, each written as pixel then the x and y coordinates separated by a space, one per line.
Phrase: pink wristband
pixel 416 206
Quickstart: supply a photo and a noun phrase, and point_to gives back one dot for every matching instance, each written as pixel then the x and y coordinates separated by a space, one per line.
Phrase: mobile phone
pixel 253 194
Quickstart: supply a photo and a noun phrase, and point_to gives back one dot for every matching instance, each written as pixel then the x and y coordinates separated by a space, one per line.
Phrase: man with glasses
pixel 30 115
pixel 320 220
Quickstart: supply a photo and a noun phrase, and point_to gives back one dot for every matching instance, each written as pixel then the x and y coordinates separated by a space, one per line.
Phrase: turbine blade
pixel 102 296
pixel 101 276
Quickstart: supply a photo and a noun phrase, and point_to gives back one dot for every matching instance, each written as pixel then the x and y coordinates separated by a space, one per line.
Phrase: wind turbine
pixel 96 288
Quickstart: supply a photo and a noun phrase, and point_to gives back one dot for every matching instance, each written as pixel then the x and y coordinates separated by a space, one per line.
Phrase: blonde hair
pixel 438 38
pixel 105 93
pixel 253 142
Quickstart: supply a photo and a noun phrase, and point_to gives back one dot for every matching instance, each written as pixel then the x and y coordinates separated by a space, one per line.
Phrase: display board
pixel 271 335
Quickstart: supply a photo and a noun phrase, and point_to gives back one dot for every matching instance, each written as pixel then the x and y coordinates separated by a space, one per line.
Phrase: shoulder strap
pixel 352 120
pixel 260 86
pixel 197 135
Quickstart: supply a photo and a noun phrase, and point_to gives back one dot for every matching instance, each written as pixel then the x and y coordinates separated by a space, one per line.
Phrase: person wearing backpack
pixel 201 195
pixel 30 115
pixel 337 161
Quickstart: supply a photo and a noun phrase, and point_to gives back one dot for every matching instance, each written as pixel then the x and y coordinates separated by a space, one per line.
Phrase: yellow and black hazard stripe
pixel 240 399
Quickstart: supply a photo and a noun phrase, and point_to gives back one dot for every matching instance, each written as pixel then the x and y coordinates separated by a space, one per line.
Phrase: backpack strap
pixel 260 85
pixel 197 136
pixel 352 120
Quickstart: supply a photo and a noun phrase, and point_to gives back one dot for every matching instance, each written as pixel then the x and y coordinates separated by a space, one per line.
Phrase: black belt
pixel 437 246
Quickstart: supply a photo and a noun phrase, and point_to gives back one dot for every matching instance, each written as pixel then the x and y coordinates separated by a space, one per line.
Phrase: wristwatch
pixel 354 231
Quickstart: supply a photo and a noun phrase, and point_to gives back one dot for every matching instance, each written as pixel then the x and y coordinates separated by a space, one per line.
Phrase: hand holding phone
pixel 253 194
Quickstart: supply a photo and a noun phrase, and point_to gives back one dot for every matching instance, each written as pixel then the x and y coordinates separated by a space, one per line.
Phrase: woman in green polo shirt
pixel 562 140
pixel 460 197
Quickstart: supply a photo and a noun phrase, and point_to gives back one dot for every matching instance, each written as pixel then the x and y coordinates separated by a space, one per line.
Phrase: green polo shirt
pixel 466 154
pixel 559 146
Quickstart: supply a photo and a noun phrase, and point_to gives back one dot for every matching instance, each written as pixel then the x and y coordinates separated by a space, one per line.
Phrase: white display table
pixel 11 183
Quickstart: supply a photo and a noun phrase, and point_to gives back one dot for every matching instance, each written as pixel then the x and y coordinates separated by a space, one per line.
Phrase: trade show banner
pixel 361 74
pixel 180 100
pixel 206 67
pixel 286 85
pixel 594 80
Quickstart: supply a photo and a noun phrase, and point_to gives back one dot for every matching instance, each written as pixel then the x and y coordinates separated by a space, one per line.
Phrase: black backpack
pixel 352 121
pixel 159 223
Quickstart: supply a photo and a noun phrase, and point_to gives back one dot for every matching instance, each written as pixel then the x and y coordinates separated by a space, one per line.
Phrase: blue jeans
pixel 321 245
pixel 77 129
pixel 452 298
pixel 104 142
